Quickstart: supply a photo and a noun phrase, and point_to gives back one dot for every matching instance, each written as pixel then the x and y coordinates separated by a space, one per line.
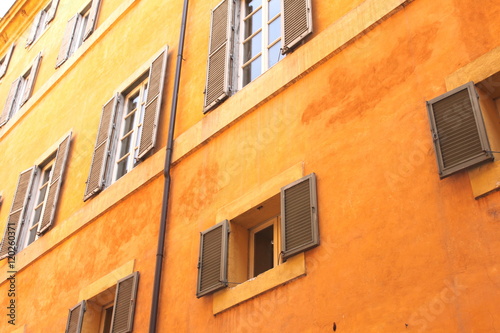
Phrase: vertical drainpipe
pixel 166 174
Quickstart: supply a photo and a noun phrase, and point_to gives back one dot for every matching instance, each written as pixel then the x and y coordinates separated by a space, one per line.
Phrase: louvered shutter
pixel 218 81
pixel 212 264
pixel 69 35
pixel 299 216
pixel 94 11
pixel 156 83
pixel 55 185
pixel 28 90
pixel 16 214
pixel 296 23
pixel 11 99
pixel 52 11
pixel 5 64
pixel 124 307
pixel 458 131
pixel 75 318
pixel 34 28
pixel 96 180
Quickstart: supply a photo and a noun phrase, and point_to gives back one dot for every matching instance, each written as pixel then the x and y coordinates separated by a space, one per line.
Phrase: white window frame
pixel 21 88
pixel 78 34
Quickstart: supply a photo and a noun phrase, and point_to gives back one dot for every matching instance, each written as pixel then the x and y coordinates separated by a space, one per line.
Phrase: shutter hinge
pixel 434 136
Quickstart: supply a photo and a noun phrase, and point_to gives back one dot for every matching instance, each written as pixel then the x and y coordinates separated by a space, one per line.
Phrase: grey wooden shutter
pixel 124 307
pixel 11 99
pixel 28 90
pixel 52 11
pixel 458 131
pixel 296 23
pixel 98 168
pixel 212 264
pixel 69 35
pixel 5 64
pixel 94 11
pixel 34 28
pixel 299 216
pixel 218 81
pixel 75 318
pixel 55 185
pixel 16 214
pixel 156 83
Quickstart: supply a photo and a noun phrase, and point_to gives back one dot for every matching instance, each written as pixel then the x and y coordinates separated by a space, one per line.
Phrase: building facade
pixel 250 166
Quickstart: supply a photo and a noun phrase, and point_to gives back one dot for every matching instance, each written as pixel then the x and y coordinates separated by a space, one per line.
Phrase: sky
pixel 5 5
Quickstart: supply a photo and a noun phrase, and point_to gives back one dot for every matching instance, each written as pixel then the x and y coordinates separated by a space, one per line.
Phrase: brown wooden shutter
pixel 28 90
pixel 69 34
pixel 55 185
pixel 34 28
pixel 157 74
pixel 75 318
pixel 458 131
pixel 11 99
pixel 212 264
pixel 98 168
pixel 5 64
pixel 16 214
pixel 218 81
pixel 94 11
pixel 297 22
pixel 124 307
pixel 299 216
pixel 52 11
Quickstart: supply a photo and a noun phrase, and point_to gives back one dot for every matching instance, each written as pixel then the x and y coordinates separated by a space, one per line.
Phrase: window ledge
pixel 293 268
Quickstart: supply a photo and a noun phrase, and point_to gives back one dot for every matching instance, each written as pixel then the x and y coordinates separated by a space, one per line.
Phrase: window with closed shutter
pixel 458 130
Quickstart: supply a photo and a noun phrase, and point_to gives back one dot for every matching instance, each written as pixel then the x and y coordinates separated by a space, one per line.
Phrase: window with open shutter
pixel 69 35
pixel 9 104
pixel 124 306
pixel 30 81
pixel 458 131
pixel 34 28
pixel 17 211
pixel 75 318
pixel 94 12
pixel 52 11
pixel 212 264
pixel 299 216
pixel 218 79
pixel 4 62
pixel 297 22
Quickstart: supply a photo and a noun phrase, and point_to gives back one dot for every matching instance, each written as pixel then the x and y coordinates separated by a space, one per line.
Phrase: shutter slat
pixel 212 270
pixel 75 318
pixel 55 185
pixel 69 34
pixel 7 109
pixel 156 83
pixel 297 22
pixel 94 11
pixel 28 90
pixel 124 307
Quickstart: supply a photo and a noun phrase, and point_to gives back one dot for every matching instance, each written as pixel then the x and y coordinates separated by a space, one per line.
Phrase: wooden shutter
pixel 218 81
pixel 6 60
pixel 11 99
pixel 299 216
pixel 458 131
pixel 94 11
pixel 52 11
pixel 124 307
pixel 69 35
pixel 34 28
pixel 28 90
pixel 212 264
pixel 55 185
pixel 16 214
pixel 75 318
pixel 296 23
pixel 156 83
pixel 98 168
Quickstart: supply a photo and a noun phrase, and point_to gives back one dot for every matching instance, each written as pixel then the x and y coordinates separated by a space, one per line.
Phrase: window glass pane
pixel 38 212
pixel 252 70
pixel 253 23
pixel 274 30
pixel 41 196
pixel 274 54
pixel 125 146
pixel 32 235
pixel 129 123
pixel 274 8
pixel 252 47
pixel 252 5
pixel 263 250
pixel 122 169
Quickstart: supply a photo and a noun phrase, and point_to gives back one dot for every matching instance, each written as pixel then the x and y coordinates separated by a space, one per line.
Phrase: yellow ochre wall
pixel 400 251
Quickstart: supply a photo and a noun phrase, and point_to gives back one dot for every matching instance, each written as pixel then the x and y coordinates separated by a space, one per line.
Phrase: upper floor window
pixel 5 60
pixel 41 21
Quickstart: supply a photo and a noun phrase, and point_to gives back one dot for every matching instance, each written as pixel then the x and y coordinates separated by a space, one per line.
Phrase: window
pixel 5 60
pixel 35 201
pixel 248 38
pixel 20 91
pixel 39 25
pixel 260 239
pixel 109 311
pixel 458 130
pixel 127 133
pixel 78 29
